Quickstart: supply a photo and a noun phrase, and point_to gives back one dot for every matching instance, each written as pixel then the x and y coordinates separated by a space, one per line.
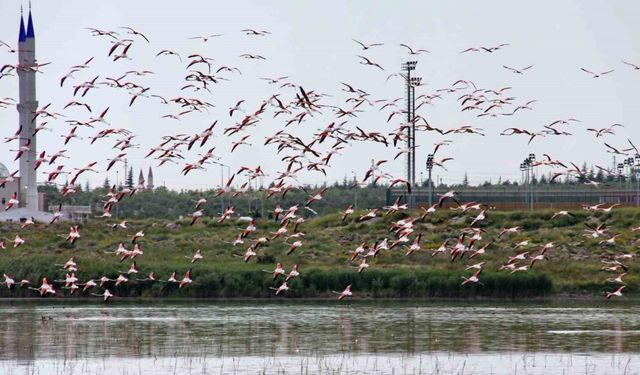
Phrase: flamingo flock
pixel 290 106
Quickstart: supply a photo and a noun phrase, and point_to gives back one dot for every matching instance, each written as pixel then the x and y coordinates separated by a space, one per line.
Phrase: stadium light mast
pixel 620 166
pixel 627 174
pixel 527 167
pixel 630 164
pixel 414 81
pixel 532 158
pixel 411 82
pixel 430 182
pixel 523 169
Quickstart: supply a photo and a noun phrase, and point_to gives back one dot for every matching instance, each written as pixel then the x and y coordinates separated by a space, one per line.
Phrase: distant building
pixel 73 213
pixel 150 185
pixel 9 188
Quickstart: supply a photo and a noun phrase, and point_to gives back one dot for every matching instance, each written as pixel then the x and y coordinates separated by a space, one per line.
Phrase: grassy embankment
pixel 573 265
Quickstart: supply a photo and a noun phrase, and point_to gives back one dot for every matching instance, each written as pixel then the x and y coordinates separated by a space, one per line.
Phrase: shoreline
pixel 360 300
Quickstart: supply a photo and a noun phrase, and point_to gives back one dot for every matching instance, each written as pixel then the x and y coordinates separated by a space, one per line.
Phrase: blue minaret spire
pixel 22 35
pixel 30 32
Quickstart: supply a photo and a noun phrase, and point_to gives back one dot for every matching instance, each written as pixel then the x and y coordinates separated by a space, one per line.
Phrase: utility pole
pixel 116 204
pixel 355 190
pixel 124 176
pixel 228 178
pixel 373 173
pixel 221 187
pixel 222 184
pixel 262 197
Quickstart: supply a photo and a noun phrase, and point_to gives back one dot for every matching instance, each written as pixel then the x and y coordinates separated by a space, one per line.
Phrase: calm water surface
pixel 255 337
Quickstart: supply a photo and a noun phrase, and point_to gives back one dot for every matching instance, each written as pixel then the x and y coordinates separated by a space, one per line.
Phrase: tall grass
pixel 230 282
pixel 572 266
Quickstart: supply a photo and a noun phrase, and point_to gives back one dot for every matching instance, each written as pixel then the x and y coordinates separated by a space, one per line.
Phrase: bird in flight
pixel 412 51
pixel 134 32
pixel 369 62
pixel 597 75
pixel 206 37
pixel 634 66
pixel 365 46
pixel 518 71
pixel 255 32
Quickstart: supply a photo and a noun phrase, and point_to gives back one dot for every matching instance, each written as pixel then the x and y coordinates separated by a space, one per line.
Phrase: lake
pixel 52 336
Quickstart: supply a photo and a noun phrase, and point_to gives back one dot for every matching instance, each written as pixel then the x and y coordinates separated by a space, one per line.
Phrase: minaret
pixel 26 108
pixel 150 179
pixel 141 179
pixel 29 206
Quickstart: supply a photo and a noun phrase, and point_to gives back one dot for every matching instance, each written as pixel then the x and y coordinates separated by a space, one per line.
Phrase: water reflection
pixel 268 329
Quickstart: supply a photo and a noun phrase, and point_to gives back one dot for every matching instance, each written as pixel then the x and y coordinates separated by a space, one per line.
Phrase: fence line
pixel 518 198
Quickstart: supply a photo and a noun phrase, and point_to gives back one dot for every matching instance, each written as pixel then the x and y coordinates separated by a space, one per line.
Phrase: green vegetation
pixel 162 203
pixel 573 265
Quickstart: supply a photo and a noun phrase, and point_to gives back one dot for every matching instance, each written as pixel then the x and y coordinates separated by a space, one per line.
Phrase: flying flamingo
pixel 345 293
pixel 105 295
pixel 186 279
pixel 11 202
pixel 616 293
pixel 281 288
pixel 473 278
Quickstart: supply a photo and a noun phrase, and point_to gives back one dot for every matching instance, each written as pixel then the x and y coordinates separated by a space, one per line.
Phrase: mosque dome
pixel 4 172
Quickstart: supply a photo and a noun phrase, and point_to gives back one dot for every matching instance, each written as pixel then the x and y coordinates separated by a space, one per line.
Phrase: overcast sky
pixel 312 43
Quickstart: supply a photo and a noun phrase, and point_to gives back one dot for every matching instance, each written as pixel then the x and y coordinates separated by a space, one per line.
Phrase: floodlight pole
pixel 407 67
pixel 532 158
pixel 630 166
pixel 429 169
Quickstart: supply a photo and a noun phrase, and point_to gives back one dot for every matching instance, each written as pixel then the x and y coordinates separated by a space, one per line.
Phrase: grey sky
pixel 311 42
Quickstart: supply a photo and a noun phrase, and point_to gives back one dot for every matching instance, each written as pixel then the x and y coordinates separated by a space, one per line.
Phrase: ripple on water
pixel 595 332
pixel 221 330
